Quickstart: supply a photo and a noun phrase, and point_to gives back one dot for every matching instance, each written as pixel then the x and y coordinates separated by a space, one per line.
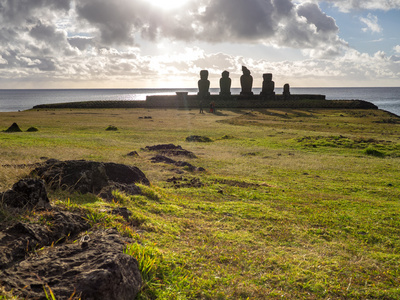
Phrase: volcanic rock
pixel 171 149
pixel 26 193
pixel 94 268
pixel 88 176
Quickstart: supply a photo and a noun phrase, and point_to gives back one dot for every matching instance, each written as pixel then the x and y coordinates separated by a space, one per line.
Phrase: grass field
pixel 294 204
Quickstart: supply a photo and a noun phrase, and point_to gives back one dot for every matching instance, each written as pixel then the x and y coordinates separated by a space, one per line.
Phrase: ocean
pixel 386 98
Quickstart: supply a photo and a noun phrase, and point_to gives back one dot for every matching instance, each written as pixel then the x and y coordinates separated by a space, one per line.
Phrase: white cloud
pixel 372 23
pixel 348 5
pixel 93 43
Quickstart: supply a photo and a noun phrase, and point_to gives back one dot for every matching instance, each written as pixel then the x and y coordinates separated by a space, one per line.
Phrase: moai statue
pixel 225 85
pixel 286 91
pixel 268 87
pixel 246 81
pixel 204 85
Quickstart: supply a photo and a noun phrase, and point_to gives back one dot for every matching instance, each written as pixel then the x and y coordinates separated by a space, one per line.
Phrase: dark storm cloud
pixel 47 34
pixel 17 11
pixel 115 20
pixel 278 22
pixel 238 20
pixel 315 16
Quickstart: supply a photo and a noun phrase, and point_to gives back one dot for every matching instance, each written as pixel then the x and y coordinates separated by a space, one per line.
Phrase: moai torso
pixel 225 84
pixel 203 84
pixel 268 86
pixel 246 81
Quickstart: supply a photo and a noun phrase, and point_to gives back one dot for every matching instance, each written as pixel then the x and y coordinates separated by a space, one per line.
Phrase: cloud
pixel 372 23
pixel 273 22
pixel 87 42
pixel 397 48
pixel 348 5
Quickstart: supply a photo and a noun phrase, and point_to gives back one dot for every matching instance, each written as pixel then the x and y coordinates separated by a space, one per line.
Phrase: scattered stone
pixel 171 149
pixel 111 128
pixel 88 176
pixel 27 194
pixel 133 153
pixel 181 182
pixel 32 129
pixel 167 160
pixel 13 128
pixel 198 138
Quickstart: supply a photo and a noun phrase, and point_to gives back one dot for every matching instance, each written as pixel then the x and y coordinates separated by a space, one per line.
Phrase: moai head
pixel 245 71
pixel 204 74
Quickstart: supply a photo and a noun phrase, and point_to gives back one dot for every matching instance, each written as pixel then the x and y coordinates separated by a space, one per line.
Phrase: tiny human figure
pixel 201 106
pixel 211 107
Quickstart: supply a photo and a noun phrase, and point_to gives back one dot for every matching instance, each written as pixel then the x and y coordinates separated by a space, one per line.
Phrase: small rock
pixel 14 128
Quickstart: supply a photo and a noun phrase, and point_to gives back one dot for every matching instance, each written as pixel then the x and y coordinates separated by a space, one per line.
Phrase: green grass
pixel 294 204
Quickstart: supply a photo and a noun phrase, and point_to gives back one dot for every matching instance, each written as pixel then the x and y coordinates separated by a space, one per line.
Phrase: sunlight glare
pixel 168 4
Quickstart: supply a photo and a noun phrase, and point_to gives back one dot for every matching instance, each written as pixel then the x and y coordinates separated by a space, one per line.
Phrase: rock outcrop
pixel 26 193
pixel 57 252
pixel 94 268
pixel 90 176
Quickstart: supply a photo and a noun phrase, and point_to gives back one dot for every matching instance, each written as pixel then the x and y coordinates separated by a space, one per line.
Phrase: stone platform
pixel 235 101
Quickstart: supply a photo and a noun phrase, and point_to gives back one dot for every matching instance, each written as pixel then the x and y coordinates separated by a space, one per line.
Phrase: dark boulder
pixel 94 268
pixel 26 193
pixel 87 176
pixel 125 174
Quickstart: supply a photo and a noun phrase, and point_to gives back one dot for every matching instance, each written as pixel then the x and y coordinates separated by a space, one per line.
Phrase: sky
pixel 165 43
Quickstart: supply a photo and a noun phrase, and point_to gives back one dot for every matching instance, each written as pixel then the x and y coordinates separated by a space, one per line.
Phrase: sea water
pixel 22 99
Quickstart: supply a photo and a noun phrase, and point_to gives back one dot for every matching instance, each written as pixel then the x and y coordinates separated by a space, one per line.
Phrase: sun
pixel 168 4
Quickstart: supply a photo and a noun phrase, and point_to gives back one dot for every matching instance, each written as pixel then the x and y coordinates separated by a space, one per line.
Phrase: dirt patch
pixel 242 184
pixel 171 150
pixel 181 182
pixel 183 164
pixel 340 141
pixel 198 138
